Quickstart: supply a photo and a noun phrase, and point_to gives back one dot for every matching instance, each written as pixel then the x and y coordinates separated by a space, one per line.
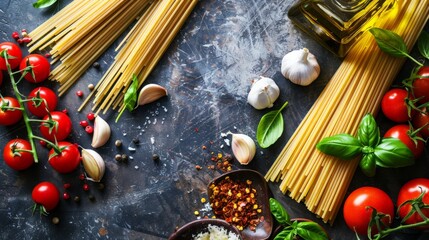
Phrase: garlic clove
pixel 93 164
pixel 101 132
pixel 263 93
pixel 150 93
pixel 243 147
pixel 300 67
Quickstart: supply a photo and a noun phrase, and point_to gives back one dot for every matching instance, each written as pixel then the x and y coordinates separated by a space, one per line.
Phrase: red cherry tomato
pixel 359 205
pixel 421 120
pixel 14 52
pixel 66 161
pixel 60 128
pixel 402 132
pixel 47 195
pixel 9 116
pixel 410 191
pixel 41 108
pixel 15 154
pixel 394 107
pixel 40 68
pixel 421 85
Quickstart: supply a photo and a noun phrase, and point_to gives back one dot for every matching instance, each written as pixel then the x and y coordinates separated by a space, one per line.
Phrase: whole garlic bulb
pixel 263 93
pixel 300 67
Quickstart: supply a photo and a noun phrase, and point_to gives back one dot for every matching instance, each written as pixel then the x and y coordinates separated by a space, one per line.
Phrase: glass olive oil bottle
pixel 337 24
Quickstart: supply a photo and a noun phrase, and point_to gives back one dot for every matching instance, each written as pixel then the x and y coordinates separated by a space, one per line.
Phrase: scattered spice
pixel 196 213
pixel 91 86
pixel 118 157
pixel 76 199
pixel 55 220
pixel 198 167
pixel 89 129
pixel 236 203
pixel 118 143
pixel 85 187
pixel 79 93
pixel 90 116
pixel 91 198
pixel 83 123
pixel 66 196
pixel 223 162
pixel 96 65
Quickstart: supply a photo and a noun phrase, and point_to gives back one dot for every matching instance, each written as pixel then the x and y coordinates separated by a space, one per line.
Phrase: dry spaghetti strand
pixel 357 87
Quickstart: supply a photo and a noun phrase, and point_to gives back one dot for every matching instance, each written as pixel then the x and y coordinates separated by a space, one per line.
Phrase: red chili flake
pixel 79 93
pixel 83 123
pixel 19 40
pixel 26 39
pixel 65 111
pixel 15 35
pixel 89 129
pixel 85 187
pixel 23 30
pixel 82 176
pixel 66 196
pixel 90 116
pixel 196 129
pixel 67 185
pixel 43 143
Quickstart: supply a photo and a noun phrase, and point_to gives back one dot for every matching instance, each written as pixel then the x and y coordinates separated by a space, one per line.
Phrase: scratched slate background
pixel 207 71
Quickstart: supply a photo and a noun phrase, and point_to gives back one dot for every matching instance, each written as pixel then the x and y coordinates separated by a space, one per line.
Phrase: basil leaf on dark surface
pixel 368 164
pixel 43 3
pixel 279 212
pixel 285 234
pixel 311 230
pixel 342 145
pixel 392 153
pixel 130 97
pixel 368 132
pixel 270 127
pixel 423 44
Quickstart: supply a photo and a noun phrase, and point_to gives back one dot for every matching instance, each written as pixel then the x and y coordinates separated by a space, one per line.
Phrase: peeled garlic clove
pixel 243 147
pixel 151 93
pixel 263 93
pixel 93 164
pixel 101 132
pixel 300 67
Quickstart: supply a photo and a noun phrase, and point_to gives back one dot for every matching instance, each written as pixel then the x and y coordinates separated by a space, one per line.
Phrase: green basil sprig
pixel 270 127
pixel 307 230
pixel 43 3
pixel 375 151
pixel 423 44
pixel 130 97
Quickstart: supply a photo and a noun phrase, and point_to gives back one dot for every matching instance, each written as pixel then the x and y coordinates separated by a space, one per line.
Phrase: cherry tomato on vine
pixel 404 133
pixel 359 205
pixel 14 52
pixel 9 116
pixel 67 160
pixel 16 154
pixel 421 85
pixel 46 195
pixel 409 192
pixel 394 105
pixel 40 68
pixel 58 129
pixel 44 101
pixel 421 120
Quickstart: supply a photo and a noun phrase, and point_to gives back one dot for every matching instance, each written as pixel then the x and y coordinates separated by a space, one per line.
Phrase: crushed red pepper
pixel 236 203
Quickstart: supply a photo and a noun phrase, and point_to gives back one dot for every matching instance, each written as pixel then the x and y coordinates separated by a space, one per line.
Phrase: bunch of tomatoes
pixel 54 126
pixel 367 207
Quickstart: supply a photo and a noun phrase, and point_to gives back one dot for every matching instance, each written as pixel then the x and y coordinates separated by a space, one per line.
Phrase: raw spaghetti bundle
pixel 140 51
pixel 78 34
pixel 357 87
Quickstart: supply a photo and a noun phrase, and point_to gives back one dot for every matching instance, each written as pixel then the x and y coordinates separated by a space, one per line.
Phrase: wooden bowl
pixel 192 229
pixel 264 228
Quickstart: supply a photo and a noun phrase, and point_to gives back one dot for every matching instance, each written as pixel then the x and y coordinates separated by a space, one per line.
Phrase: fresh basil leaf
pixel 130 97
pixel 368 164
pixel 423 44
pixel 43 3
pixel 270 127
pixel 342 145
pixel 368 132
pixel 389 42
pixel 393 153
pixel 279 212
pixel 285 234
pixel 311 230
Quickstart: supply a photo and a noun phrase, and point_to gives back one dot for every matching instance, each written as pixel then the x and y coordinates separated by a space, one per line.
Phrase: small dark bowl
pixel 263 229
pixel 192 229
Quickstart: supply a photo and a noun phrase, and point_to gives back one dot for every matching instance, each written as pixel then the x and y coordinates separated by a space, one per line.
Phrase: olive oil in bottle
pixel 337 24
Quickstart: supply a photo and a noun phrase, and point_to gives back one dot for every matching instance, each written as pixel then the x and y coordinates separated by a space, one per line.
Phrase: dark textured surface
pixel 207 71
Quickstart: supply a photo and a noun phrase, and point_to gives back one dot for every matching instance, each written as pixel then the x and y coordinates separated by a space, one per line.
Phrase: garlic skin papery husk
pixel 243 147
pixel 101 132
pixel 150 93
pixel 300 67
pixel 93 164
pixel 263 93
